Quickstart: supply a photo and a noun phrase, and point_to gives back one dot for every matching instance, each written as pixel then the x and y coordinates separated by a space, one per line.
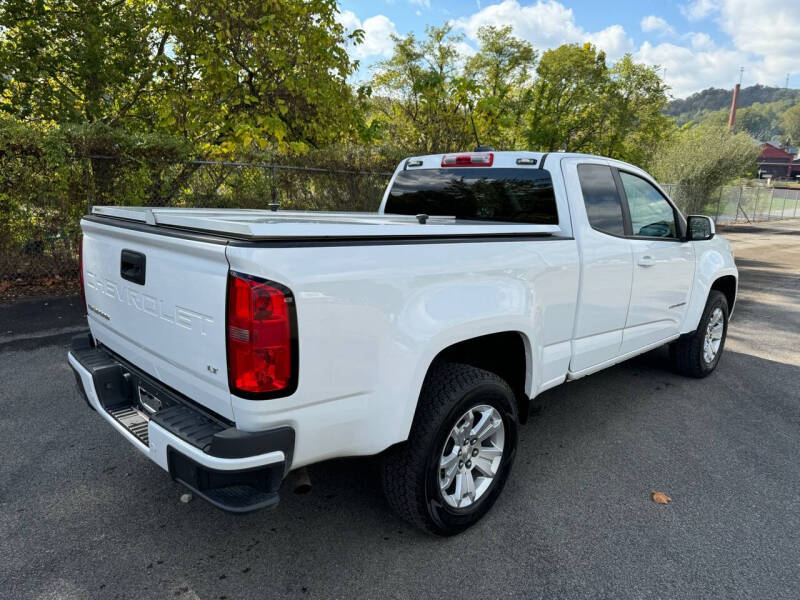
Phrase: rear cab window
pixel 601 198
pixel 493 194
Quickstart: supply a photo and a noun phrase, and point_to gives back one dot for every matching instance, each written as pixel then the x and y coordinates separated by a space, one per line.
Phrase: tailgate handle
pixel 132 266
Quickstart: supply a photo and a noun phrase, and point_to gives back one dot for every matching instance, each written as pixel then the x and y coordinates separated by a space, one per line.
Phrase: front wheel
pixel 459 451
pixel 698 353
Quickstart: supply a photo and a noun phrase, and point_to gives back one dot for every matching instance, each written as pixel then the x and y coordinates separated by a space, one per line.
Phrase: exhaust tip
pixel 301 481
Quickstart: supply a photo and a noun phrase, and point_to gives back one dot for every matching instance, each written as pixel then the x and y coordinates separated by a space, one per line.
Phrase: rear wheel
pixel 459 451
pixel 698 354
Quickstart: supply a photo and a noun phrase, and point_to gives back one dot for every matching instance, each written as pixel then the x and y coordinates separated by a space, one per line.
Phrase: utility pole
pixel 741 74
pixel 787 81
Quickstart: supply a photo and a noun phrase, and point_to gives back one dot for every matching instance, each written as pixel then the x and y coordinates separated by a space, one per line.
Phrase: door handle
pixel 646 261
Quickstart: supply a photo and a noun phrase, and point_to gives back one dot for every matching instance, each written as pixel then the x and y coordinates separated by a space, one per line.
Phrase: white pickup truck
pixel 232 346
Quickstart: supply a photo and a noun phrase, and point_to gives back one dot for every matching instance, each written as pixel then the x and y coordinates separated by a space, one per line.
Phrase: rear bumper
pixel 235 470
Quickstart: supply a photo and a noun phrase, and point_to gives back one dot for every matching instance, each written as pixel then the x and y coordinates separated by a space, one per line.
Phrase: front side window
pixel 651 214
pixel 476 194
pixel 600 196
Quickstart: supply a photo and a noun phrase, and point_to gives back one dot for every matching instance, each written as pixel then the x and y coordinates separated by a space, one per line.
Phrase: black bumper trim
pixel 116 382
pixel 240 491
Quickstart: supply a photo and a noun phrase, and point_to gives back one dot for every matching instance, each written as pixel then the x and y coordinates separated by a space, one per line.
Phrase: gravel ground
pixel 84 515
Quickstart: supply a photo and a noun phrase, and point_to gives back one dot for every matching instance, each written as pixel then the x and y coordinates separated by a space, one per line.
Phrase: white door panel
pixel 606 273
pixel 662 280
pixel 663 269
pixel 595 349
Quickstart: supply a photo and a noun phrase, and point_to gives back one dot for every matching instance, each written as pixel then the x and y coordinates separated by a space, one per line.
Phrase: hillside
pixel 699 105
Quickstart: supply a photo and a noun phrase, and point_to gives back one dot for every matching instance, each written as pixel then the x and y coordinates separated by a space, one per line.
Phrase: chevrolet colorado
pixel 232 346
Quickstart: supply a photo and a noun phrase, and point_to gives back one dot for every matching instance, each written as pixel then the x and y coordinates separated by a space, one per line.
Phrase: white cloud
pixel 701 41
pixel 378 32
pixel 699 9
pixel 348 20
pixel 654 24
pixel 762 38
pixel 768 30
pixel 690 70
pixel 546 24
pixel 612 39
pixel 464 49
pixel 421 3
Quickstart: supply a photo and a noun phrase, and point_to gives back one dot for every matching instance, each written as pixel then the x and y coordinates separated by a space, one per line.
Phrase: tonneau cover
pixel 267 224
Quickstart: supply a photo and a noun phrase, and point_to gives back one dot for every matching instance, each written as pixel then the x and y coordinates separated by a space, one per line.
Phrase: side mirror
pixel 700 228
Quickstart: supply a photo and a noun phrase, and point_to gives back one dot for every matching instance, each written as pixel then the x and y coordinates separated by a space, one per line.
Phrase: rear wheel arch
pixel 506 354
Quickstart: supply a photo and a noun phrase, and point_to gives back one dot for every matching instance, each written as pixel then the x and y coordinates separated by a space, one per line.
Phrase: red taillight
pixel 483 159
pixel 80 271
pixel 261 343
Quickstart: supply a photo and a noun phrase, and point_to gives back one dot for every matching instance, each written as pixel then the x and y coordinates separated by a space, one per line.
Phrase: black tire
pixel 410 471
pixel 687 352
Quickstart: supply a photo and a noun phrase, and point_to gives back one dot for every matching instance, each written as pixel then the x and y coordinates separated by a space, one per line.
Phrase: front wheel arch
pixel 726 284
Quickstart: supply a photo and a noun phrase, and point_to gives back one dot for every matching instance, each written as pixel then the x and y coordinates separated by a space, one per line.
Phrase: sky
pixel 696 43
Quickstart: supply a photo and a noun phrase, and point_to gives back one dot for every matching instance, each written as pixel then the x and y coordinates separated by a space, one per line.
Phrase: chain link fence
pixel 40 207
pixel 739 203
pixel 40 210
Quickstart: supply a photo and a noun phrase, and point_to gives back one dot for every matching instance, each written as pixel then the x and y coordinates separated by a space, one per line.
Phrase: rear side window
pixel 603 205
pixel 476 194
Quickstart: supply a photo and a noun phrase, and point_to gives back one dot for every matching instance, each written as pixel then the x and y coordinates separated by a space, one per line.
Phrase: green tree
pixel 502 71
pixel 634 123
pixel 570 99
pixel 580 105
pixel 423 99
pixel 701 159
pixel 271 75
pixel 790 123
pixel 223 75
pixel 76 60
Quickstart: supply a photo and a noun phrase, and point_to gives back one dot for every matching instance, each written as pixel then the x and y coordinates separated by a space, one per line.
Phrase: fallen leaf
pixel 661 497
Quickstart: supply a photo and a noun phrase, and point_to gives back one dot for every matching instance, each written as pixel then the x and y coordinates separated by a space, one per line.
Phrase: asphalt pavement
pixel 84 515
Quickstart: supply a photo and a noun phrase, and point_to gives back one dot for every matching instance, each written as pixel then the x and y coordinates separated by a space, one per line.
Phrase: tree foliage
pixel 570 99
pixel 790 124
pixel 701 159
pixel 424 101
pixel 220 74
pixel 271 73
pixel 75 60
pixel 581 105
pixel 430 98
pixel 501 72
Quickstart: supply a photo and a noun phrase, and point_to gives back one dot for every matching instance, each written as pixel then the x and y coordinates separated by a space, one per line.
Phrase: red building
pixel 777 163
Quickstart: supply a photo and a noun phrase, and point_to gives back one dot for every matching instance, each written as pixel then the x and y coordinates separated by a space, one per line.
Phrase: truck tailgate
pixel 159 302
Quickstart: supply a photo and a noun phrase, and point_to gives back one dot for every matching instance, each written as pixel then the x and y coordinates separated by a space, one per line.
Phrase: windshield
pixel 477 194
